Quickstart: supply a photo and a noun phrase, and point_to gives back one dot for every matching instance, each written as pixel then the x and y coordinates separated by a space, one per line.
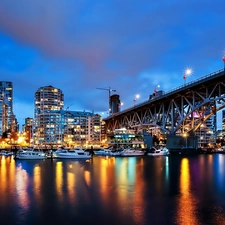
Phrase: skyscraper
pixel 48 101
pixel 7 118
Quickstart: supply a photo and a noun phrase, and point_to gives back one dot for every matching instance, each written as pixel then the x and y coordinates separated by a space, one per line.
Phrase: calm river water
pixel 114 191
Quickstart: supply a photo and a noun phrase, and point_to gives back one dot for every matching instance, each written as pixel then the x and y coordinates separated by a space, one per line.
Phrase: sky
pixel 131 46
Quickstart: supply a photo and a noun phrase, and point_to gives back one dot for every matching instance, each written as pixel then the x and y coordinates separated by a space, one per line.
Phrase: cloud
pixel 80 45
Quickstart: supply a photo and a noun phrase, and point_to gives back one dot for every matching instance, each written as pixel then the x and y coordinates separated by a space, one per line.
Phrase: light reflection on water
pixel 142 190
pixel 186 203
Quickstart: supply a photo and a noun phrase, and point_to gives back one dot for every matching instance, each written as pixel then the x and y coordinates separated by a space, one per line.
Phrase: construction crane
pixel 109 90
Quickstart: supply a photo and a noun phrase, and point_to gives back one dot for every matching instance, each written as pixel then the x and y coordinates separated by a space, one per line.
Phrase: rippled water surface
pixel 117 190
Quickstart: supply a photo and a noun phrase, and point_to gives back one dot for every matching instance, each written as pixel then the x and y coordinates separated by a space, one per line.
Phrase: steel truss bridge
pixel 181 110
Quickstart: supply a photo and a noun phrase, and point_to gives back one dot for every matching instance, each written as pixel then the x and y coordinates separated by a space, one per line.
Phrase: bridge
pixel 181 110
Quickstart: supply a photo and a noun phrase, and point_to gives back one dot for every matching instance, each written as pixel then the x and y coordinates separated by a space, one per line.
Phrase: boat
pixel 108 152
pixel 132 152
pixel 116 152
pixel 30 154
pixel 103 151
pixel 6 153
pixel 76 153
pixel 221 150
pixel 157 151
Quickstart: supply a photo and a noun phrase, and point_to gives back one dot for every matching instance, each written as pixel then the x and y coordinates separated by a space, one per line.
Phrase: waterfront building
pixel 3 117
pixel 28 130
pixel 47 122
pixel 127 138
pixel 54 126
pixel 94 129
pixel 223 122
pixel 8 122
pixel 80 128
pixel 104 140
pixel 74 127
pixel 69 128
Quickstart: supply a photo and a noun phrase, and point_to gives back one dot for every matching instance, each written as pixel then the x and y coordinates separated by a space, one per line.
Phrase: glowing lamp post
pixel 136 97
pixel 155 89
pixel 120 106
pixel 187 73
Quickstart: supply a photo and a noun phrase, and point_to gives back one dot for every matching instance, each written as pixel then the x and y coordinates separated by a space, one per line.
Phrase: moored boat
pixel 159 151
pixel 103 151
pixel 108 152
pixel 76 153
pixel 6 153
pixel 132 152
pixel 30 154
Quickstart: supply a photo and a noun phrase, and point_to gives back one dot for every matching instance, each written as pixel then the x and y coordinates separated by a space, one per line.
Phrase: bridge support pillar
pixel 147 140
pixel 182 145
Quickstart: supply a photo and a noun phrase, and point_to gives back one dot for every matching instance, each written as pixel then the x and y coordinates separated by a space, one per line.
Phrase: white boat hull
pixel 130 152
pixel 103 153
pixel 157 154
pixel 30 155
pixel 72 154
pixel 107 153
pixel 162 151
pixel 26 157
pixel 6 153
pixel 61 156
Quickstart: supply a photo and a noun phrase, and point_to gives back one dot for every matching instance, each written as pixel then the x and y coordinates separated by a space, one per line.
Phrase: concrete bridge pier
pixel 182 145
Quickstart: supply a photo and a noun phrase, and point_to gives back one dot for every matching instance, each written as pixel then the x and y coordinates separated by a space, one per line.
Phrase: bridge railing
pixel 164 94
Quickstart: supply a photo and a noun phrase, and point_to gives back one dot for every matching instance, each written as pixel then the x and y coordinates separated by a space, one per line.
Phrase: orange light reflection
pixel 71 183
pixel 59 179
pixel 87 177
pixel 37 181
pixel 186 204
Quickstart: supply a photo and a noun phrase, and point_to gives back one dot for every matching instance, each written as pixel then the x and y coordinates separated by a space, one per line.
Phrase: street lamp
pixel 155 89
pixel 187 73
pixel 109 90
pixel 120 105
pixel 137 96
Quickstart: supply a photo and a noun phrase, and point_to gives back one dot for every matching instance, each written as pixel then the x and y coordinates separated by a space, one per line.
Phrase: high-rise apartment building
pixel 3 117
pixel 28 130
pixel 7 117
pixel 47 122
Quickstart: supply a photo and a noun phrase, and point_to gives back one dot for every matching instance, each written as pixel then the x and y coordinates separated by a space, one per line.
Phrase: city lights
pixel 188 72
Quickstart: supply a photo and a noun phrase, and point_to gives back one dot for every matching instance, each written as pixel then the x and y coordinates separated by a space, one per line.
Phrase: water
pixel 114 191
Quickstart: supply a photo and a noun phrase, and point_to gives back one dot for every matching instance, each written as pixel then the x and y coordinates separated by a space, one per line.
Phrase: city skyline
pixel 81 46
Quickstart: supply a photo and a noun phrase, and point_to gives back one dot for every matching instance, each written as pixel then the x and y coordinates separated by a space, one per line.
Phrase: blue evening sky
pixel 129 45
